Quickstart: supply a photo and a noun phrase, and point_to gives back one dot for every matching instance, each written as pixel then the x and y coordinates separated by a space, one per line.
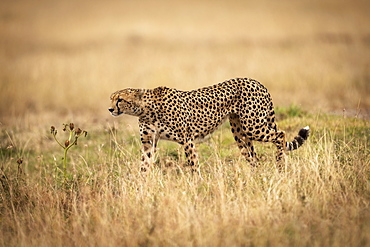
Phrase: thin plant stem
pixel 77 132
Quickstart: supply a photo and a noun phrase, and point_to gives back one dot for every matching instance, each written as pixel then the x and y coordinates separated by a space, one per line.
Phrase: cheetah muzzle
pixel 187 116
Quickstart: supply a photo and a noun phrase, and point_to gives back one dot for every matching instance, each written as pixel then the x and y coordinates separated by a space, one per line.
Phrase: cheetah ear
pixel 139 93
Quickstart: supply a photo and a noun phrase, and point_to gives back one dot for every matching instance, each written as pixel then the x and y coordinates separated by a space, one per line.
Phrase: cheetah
pixel 189 116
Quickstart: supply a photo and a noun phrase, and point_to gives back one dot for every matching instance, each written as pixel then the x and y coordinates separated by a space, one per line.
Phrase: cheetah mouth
pixel 116 114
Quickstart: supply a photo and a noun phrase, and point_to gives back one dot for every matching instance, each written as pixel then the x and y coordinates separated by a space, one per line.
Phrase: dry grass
pixel 60 61
pixel 322 199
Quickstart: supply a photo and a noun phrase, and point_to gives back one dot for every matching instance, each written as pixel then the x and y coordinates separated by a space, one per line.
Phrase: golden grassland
pixel 321 199
pixel 61 60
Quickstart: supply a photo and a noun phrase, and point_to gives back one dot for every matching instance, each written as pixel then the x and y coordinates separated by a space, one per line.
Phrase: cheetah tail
pixel 299 139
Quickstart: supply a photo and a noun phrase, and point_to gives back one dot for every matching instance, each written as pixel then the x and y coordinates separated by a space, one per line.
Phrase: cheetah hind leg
pixel 278 138
pixel 246 148
pixel 244 143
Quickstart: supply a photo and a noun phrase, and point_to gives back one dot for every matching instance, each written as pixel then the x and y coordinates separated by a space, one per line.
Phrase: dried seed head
pixel 78 131
pixel 71 126
pixel 66 143
pixel 19 161
pixel 52 129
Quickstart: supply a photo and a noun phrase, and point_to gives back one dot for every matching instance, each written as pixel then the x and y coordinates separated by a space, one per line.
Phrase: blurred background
pixel 63 58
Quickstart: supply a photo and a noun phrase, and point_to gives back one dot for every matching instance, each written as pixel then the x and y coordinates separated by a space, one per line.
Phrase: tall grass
pixel 321 199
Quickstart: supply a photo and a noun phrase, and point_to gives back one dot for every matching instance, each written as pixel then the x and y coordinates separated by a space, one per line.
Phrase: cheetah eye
pixel 119 100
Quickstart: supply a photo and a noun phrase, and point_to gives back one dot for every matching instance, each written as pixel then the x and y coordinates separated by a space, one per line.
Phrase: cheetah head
pixel 126 101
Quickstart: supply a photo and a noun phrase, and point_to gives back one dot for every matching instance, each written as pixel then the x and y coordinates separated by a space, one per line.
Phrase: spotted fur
pixel 187 116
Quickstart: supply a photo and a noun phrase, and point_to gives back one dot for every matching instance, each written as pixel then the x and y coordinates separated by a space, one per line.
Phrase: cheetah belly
pixel 168 135
pixel 198 132
pixel 201 130
pixel 203 136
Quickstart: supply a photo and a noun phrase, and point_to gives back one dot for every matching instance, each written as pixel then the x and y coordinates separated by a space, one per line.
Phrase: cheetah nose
pixel 110 109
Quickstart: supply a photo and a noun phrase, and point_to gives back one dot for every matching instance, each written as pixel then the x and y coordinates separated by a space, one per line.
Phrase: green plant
pixel 74 134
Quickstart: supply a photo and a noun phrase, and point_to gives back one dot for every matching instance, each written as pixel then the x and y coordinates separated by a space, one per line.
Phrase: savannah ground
pixel 61 60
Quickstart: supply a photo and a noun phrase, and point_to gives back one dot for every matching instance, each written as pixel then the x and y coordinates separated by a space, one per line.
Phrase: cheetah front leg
pixel 149 139
pixel 191 156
